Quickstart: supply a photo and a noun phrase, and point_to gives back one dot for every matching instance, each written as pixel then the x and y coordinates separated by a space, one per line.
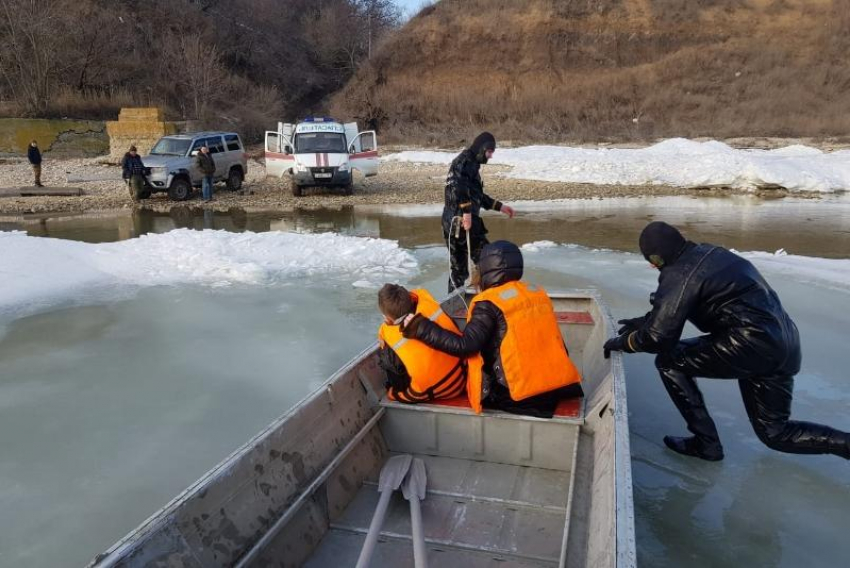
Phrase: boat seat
pixel 569 409
pixel 578 318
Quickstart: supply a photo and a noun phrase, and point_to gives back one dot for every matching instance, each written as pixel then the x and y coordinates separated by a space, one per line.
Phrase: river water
pixel 114 400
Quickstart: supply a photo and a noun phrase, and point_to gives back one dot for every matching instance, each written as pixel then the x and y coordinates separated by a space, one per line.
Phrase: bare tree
pixel 31 32
pixel 194 68
pixel 344 32
pixel 92 56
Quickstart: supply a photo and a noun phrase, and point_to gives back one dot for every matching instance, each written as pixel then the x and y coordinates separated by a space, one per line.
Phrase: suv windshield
pixel 325 142
pixel 171 147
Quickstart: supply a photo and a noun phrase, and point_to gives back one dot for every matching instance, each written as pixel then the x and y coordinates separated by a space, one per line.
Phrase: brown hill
pixel 610 69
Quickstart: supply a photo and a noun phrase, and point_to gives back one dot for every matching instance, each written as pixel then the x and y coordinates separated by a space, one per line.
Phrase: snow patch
pixel 677 162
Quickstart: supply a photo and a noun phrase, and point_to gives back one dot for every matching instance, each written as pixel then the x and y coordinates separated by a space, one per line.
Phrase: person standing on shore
pixel 206 164
pixel 749 337
pixel 464 200
pixel 34 156
pixel 133 170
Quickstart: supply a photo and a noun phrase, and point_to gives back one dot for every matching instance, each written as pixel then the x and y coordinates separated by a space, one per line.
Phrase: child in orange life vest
pixel 414 371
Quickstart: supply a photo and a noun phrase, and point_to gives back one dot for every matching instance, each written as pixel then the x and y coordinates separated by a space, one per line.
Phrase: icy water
pixel 115 397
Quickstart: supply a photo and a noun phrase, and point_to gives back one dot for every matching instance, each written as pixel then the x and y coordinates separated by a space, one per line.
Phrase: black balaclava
pixel 483 142
pixel 661 244
pixel 500 262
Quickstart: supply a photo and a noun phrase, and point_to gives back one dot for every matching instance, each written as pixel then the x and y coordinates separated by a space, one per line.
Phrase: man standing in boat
pixel 749 337
pixel 517 358
pixel 464 200
pixel 415 372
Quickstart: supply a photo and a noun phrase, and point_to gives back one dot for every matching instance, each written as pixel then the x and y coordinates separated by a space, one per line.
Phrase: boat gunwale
pixel 624 525
pixel 163 515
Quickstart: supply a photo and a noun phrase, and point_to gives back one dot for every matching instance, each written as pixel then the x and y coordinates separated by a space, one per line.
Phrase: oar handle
pixel 374 529
pixel 420 556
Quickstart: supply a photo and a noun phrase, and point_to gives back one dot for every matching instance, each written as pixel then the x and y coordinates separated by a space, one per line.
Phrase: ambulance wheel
pixel 293 186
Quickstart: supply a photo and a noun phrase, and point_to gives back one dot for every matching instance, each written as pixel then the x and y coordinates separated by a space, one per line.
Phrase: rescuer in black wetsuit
pixel 749 337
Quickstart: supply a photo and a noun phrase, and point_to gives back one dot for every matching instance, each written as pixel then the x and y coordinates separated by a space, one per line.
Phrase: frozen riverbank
pixel 673 167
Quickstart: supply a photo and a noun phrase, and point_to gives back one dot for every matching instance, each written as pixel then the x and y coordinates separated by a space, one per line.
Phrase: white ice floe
pixel 40 272
pixel 833 273
pixel 537 246
pixel 677 162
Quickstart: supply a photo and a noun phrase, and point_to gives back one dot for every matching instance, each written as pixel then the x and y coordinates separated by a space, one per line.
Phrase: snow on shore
pixel 676 162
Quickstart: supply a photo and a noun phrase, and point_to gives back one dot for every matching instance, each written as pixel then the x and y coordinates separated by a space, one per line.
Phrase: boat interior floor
pixel 475 514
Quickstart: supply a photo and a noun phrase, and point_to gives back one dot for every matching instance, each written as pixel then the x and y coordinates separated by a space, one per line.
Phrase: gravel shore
pixel 397 182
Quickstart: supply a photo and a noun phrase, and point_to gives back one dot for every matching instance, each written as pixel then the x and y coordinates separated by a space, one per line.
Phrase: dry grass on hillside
pixel 610 70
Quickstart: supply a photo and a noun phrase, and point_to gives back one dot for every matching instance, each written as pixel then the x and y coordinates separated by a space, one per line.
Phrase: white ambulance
pixel 320 152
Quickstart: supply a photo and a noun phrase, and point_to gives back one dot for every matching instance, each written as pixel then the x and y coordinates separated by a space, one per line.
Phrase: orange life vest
pixel 532 352
pixel 433 374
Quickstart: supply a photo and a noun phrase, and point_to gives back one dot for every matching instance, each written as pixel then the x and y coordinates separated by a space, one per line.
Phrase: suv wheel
pixel 348 189
pixel 180 190
pixel 234 179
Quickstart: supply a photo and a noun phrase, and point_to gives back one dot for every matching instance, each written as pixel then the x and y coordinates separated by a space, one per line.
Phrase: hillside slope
pixel 610 69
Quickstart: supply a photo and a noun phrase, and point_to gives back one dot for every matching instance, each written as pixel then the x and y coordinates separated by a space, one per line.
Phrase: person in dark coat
pixel 133 171
pixel 34 157
pixel 749 337
pixel 465 198
pixel 206 164
pixel 501 263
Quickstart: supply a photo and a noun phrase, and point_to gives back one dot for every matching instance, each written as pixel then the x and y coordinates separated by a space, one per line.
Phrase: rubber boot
pixel 691 446
pixel 688 399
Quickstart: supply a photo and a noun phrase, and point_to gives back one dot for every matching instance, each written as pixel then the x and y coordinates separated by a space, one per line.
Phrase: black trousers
pixel 458 256
pixel 767 399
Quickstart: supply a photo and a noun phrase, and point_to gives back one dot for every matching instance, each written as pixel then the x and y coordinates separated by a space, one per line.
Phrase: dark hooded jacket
pixel 132 165
pixel 33 155
pixel 723 295
pixel 464 188
pixel 500 262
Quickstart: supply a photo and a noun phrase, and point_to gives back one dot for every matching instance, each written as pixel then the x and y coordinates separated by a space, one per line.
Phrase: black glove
pixel 630 325
pixel 619 343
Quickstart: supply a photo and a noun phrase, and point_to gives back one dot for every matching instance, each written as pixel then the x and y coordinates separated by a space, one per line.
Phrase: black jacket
pixel 132 165
pixel 205 163
pixel 500 262
pixel 725 296
pixel 465 190
pixel 34 155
